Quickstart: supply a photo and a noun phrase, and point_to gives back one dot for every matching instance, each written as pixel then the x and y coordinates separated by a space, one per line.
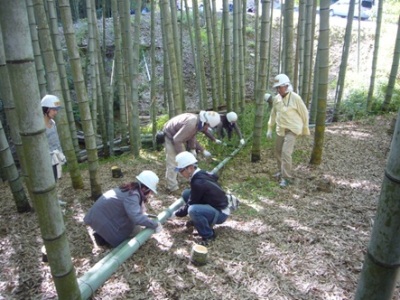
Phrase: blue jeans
pixel 204 216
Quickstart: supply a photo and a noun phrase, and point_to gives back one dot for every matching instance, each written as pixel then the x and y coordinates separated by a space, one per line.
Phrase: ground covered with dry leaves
pixel 304 242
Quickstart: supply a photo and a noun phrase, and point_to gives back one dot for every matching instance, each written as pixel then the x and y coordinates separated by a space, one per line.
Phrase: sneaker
pixel 61 202
pixel 277 175
pixel 174 191
pixel 284 183
pixel 205 241
pixel 189 224
pixel 100 241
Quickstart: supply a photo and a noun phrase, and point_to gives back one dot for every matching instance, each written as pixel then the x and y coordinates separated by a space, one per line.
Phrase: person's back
pixel 108 216
pixel 206 190
pixel 181 129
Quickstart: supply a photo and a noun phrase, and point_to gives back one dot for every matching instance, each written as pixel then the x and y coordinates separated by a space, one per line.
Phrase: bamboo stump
pixel 199 255
pixel 116 172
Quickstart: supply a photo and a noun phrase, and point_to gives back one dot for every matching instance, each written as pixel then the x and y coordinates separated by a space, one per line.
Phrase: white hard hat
pixel 267 96
pixel 51 101
pixel 184 159
pixel 210 117
pixel 231 117
pixel 149 179
pixel 280 80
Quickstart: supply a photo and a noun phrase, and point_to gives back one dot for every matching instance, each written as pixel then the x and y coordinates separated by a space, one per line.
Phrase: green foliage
pixel 380 97
pixel 183 19
pixel 251 45
pixel 253 187
pixel 250 32
pixel 81 31
pixel 161 120
pixel 354 107
pixel 391 11
pixel 203 36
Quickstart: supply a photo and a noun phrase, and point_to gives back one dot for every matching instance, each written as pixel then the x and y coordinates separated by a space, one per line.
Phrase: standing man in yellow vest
pixel 290 115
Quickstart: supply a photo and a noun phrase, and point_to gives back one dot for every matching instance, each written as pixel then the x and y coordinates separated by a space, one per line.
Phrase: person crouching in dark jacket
pixel 206 202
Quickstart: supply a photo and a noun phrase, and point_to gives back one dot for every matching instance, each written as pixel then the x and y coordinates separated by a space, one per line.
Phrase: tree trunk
pixel 18 50
pixel 288 39
pixel 211 55
pixel 136 142
pixel 381 263
pixel 299 65
pixel 178 52
pixel 261 81
pixel 169 101
pixel 323 74
pixel 7 161
pixel 153 89
pixel 199 57
pixel 193 47
pixel 308 37
pixel 257 41
pixel 227 56
pixel 236 55
pixel 11 114
pixel 10 171
pixel 375 55
pixel 242 56
pixel 123 88
pixel 343 63
pixel 80 88
pixel 41 74
pixel 56 39
pixel 217 53
pixel 393 71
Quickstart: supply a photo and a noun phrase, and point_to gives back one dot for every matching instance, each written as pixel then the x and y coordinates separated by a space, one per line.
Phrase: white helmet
pixel 231 117
pixel 184 159
pixel 210 117
pixel 149 179
pixel 51 101
pixel 281 80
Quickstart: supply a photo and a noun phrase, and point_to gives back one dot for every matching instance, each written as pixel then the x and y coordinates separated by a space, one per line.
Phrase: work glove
pixel 194 152
pixel 158 228
pixel 206 153
pixel 182 212
pixel 269 134
pixel 242 141
pixel 218 142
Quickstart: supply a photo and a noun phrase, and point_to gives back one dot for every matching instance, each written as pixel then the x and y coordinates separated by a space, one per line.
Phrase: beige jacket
pixel 289 113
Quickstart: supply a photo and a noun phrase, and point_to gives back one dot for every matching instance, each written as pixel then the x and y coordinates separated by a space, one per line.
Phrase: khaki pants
pixel 170 174
pixel 284 147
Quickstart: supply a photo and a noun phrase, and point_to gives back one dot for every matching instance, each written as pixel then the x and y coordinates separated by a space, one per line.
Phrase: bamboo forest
pixel 200 149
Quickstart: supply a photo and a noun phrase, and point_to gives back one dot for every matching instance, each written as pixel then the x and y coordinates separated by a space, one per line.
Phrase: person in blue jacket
pixel 115 214
pixel 206 202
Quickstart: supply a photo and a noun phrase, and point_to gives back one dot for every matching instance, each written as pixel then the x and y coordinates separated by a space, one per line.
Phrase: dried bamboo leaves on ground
pixel 304 242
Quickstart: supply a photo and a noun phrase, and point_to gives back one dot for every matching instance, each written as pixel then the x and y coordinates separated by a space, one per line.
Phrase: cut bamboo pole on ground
pixel 228 158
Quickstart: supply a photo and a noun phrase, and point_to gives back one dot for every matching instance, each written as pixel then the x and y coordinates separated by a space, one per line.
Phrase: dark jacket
pixel 205 190
pixel 228 127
